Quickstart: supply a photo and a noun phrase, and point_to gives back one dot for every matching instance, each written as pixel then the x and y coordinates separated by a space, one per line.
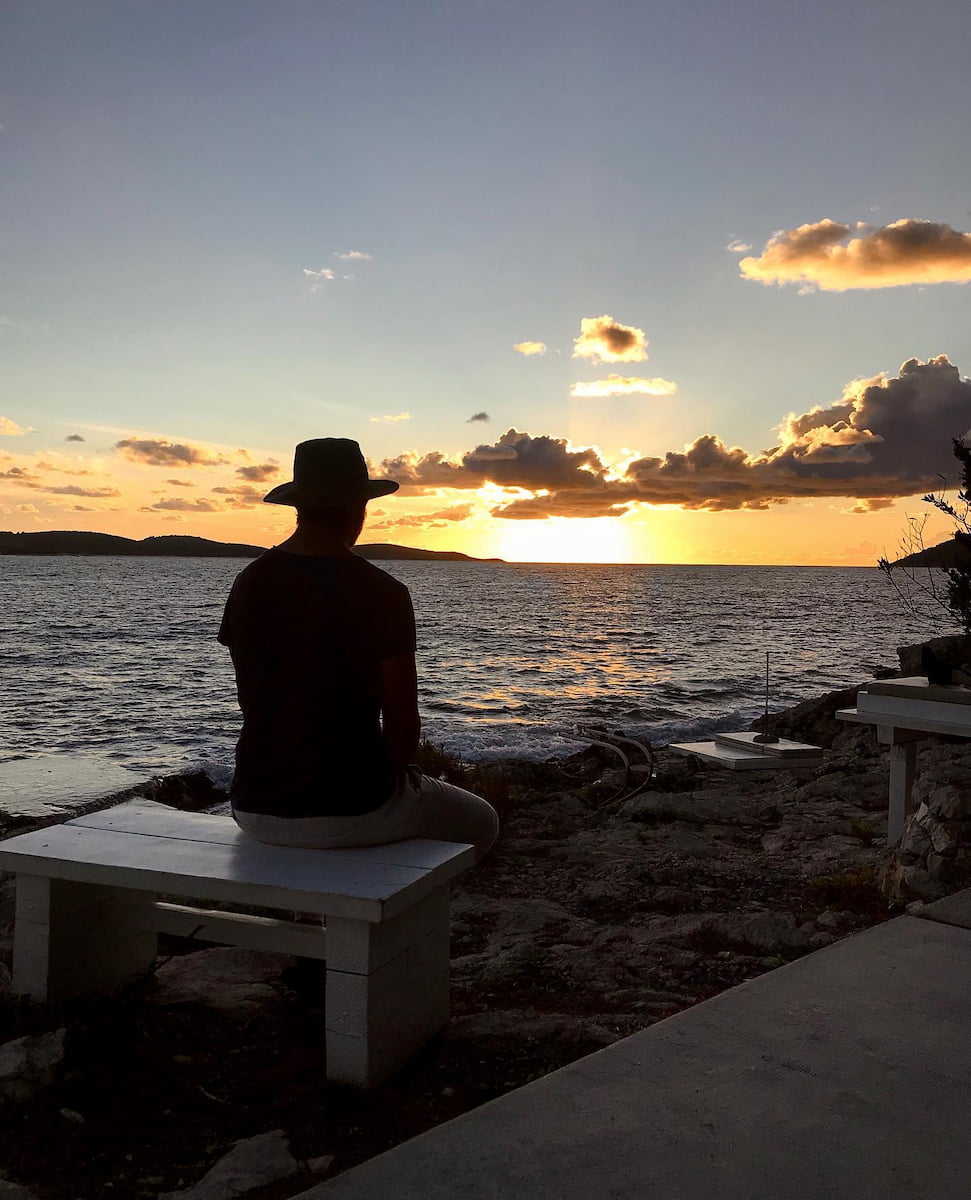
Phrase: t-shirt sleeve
pixel 225 634
pixel 398 627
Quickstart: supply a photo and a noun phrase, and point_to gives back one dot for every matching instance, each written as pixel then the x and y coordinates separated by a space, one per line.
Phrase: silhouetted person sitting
pixel 323 644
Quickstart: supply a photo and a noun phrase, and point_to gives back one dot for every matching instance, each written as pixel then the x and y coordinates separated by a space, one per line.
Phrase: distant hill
pixel 380 550
pixel 182 546
pixel 953 553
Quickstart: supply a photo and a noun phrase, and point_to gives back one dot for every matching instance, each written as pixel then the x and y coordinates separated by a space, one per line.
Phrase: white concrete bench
pixel 88 915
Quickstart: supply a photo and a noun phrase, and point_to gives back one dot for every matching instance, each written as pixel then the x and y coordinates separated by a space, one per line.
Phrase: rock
pixel 14 1191
pixel 819 941
pixel 916 840
pixel 919 883
pixel 71 1116
pixel 943 841
pixel 27 1064
pixel 763 931
pixel 710 806
pixel 812 721
pixel 227 978
pixel 954 649
pixel 253 1163
pixel 323 1162
pixel 835 920
pixel 5 978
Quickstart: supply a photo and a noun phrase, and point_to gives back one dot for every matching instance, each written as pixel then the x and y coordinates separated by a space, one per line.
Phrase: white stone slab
pixel 147 817
pixel 886 722
pixel 902 707
pixel 246 872
pixel 60 783
pixel 916 687
pixel 783 748
pixel 741 760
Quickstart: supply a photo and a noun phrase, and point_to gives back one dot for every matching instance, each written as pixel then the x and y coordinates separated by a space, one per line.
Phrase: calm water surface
pixel 118 655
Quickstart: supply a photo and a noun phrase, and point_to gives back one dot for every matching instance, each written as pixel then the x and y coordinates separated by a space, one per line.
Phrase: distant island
pixel 953 553
pixel 182 546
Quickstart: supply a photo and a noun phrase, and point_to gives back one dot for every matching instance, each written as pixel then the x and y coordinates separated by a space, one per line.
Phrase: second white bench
pixel 88 915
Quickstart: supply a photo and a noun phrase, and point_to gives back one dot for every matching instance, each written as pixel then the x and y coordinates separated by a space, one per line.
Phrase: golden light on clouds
pixel 159 452
pixel 530 348
pixel 623 385
pixel 602 339
pixel 391 419
pixel 10 428
pixel 824 255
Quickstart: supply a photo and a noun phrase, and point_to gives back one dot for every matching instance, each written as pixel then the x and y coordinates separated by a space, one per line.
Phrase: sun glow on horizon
pixel 568 540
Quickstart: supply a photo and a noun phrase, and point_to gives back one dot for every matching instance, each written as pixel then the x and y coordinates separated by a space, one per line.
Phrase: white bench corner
pixel 88 916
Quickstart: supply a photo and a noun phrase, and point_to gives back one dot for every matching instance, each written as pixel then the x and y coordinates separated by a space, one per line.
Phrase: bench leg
pixel 387 990
pixel 903 760
pixel 73 939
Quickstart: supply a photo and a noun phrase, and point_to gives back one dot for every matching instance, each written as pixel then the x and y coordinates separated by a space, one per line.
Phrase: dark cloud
pixel 885 438
pixel 479 416
pixel 18 475
pixel 74 437
pixel 180 482
pixel 243 496
pixel 904 252
pixel 259 472
pixel 157 452
pixel 602 339
pixel 515 460
pixel 101 493
pixel 177 504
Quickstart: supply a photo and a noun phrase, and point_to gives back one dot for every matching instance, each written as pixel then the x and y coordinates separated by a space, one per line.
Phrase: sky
pixel 676 281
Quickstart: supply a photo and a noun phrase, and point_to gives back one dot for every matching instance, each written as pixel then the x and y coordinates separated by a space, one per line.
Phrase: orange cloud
pixel 259 472
pixel 905 252
pixel 602 339
pixel 10 428
pixel 530 348
pixel 18 475
pixel 243 496
pixel 95 493
pixel 623 385
pixel 176 504
pixel 159 452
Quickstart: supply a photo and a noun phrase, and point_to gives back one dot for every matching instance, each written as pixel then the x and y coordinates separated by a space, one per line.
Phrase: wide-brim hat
pixel 328 472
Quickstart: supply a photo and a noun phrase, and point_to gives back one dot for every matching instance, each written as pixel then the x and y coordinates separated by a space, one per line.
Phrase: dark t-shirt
pixel 307 634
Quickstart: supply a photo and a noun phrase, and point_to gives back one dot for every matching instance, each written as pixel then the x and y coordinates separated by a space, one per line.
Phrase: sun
pixel 566 540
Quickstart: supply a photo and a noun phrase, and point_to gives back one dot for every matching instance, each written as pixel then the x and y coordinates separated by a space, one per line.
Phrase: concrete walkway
pixel 846 1074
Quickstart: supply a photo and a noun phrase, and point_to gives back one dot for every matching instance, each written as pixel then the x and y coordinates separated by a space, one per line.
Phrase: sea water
pixel 118 656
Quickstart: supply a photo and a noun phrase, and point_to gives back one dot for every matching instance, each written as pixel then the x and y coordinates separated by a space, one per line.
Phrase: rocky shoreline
pixel 595 917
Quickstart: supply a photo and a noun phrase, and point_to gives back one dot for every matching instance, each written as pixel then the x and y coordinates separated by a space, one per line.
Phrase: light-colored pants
pixel 419 807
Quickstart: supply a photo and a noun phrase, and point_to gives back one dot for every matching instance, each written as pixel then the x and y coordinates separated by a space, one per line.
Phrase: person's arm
pixel 400 722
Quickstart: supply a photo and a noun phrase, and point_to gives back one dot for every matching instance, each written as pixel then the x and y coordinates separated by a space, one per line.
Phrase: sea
pixel 117 657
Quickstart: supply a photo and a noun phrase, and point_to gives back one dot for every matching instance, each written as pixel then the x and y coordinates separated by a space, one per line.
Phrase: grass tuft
pixel 488 780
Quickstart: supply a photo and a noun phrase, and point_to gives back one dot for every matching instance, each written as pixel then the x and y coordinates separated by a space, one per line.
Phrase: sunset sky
pixel 667 281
